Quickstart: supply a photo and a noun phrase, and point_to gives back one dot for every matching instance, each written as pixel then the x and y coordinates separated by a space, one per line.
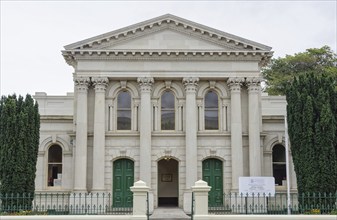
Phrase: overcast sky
pixel 34 32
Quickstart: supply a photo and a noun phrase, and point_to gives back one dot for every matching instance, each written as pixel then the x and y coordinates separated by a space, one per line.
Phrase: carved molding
pixel 191 83
pixel 82 83
pixel 100 83
pixel 145 83
pixel 253 84
pixel 235 83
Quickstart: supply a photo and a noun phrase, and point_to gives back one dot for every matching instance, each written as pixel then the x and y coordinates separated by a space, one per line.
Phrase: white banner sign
pixel 257 185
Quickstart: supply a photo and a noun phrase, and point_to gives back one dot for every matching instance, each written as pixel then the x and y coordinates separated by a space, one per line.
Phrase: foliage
pixel 281 71
pixel 312 116
pixel 19 140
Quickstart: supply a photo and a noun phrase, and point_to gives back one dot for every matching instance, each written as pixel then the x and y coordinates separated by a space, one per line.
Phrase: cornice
pixel 261 56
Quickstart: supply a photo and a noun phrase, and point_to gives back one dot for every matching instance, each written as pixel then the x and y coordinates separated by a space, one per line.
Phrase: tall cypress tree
pixel 312 131
pixel 19 140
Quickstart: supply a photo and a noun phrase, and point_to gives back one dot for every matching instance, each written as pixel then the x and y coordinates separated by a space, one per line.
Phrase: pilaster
pixel 254 118
pixel 80 165
pixel 145 85
pixel 236 130
pixel 100 84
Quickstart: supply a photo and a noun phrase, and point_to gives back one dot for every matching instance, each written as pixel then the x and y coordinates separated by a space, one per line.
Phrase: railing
pixel 307 203
pixel 147 206
pixel 192 206
pixel 62 204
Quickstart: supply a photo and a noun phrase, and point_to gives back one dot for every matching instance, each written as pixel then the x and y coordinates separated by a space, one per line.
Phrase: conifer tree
pixel 312 131
pixel 19 140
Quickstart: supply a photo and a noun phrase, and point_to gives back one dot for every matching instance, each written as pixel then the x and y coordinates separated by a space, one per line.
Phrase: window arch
pixel 211 111
pixel 167 111
pixel 124 111
pixel 279 164
pixel 54 166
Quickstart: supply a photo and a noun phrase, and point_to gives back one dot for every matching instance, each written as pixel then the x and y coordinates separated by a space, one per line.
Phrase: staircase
pixel 168 213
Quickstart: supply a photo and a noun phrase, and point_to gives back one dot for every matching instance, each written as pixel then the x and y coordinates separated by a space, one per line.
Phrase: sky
pixel 33 33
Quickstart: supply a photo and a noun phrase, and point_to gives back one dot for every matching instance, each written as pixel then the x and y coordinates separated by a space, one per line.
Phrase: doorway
pixel 168 186
pixel 123 170
pixel 212 174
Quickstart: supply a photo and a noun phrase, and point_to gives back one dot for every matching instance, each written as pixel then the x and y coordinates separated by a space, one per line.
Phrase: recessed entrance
pixel 168 189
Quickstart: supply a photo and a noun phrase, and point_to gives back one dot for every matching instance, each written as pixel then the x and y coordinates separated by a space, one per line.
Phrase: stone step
pixel 167 213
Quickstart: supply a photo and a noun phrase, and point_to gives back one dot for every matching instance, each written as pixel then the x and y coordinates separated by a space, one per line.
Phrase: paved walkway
pixel 165 213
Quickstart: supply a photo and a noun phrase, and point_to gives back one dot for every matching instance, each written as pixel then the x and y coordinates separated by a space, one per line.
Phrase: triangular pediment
pixel 165 39
pixel 167 32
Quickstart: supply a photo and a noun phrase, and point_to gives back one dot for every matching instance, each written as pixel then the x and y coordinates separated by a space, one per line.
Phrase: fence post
pixel 140 191
pixel 200 190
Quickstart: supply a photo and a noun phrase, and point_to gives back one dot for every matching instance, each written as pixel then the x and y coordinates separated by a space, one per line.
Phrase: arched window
pixel 211 111
pixel 55 166
pixel 167 111
pixel 124 111
pixel 279 164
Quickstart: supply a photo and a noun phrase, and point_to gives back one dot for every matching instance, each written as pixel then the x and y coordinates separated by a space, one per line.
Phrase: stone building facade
pixel 167 101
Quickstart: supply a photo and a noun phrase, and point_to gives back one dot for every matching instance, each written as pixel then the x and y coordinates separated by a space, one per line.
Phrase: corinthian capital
pixel 190 83
pixel 81 83
pixel 235 83
pixel 100 83
pixel 145 83
pixel 253 84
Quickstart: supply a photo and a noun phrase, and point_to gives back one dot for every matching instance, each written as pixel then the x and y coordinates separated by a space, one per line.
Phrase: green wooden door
pixel 123 171
pixel 212 174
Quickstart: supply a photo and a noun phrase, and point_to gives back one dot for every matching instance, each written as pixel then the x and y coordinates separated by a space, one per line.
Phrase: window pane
pixel 167 120
pixel 279 166
pixel 124 119
pixel 279 154
pixel 279 173
pixel 211 111
pixel 167 100
pixel 124 111
pixel 124 100
pixel 167 111
pixel 211 100
pixel 55 154
pixel 54 174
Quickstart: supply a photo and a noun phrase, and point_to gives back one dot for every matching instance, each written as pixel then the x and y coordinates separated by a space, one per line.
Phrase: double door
pixel 123 178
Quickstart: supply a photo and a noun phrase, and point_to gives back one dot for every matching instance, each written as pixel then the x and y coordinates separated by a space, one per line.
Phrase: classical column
pixel 254 126
pixel 191 84
pixel 145 84
pixel 236 130
pixel 191 164
pixel 100 84
pixel 80 166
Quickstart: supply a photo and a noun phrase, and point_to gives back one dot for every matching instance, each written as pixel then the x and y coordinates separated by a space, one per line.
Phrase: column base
pixel 187 203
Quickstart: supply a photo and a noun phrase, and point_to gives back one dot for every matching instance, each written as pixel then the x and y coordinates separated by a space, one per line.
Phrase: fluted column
pixel 236 130
pixel 145 85
pixel 254 118
pixel 100 84
pixel 80 166
pixel 191 84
